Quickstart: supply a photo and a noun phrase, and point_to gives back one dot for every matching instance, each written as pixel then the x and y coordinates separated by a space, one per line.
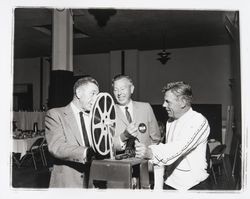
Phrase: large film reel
pixel 103 124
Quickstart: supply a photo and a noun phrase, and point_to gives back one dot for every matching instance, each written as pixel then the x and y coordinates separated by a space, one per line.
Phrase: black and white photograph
pixel 139 99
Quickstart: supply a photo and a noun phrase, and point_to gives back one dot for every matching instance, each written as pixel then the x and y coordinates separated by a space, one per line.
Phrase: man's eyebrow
pixel 120 87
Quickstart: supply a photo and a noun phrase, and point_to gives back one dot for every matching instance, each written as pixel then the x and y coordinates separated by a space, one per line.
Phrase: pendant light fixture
pixel 164 55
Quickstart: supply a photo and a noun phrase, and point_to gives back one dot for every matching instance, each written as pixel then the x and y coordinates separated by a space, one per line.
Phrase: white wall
pixel 96 65
pixel 207 69
pixel 27 71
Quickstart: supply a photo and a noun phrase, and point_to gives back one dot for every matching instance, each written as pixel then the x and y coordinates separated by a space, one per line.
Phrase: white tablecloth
pixel 22 145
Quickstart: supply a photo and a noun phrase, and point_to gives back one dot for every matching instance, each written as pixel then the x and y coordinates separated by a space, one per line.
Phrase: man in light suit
pixel 134 120
pixel 69 137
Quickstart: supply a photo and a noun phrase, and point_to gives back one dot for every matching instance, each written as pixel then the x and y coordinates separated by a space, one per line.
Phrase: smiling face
pixel 86 95
pixel 123 89
pixel 175 105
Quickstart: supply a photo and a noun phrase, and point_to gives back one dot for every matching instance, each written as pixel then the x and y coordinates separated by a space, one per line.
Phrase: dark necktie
pixel 128 115
pixel 84 132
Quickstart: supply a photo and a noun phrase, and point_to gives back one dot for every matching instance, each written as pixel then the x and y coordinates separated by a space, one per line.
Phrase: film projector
pixel 109 170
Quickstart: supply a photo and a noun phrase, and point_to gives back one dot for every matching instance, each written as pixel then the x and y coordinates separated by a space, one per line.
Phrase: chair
pixel 237 157
pixel 36 148
pixel 217 159
pixel 209 166
pixel 42 149
pixel 15 160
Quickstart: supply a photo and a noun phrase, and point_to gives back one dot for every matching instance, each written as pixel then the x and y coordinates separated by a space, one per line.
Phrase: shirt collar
pixel 77 110
pixel 186 115
pixel 129 105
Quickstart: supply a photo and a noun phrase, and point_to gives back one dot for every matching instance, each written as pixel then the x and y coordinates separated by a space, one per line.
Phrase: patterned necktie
pixel 84 132
pixel 130 146
pixel 128 115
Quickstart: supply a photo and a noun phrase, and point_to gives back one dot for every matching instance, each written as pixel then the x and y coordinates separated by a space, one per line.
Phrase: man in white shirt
pixel 186 142
pixel 69 137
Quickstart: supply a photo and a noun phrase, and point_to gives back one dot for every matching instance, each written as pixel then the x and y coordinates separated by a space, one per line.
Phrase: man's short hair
pixel 122 76
pixel 83 81
pixel 180 88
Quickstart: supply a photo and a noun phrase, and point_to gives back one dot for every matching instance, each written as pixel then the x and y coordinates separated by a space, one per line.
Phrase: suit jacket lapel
pixel 135 110
pixel 72 124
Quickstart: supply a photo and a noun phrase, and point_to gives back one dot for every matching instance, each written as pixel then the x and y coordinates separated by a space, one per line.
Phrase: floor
pixel 27 177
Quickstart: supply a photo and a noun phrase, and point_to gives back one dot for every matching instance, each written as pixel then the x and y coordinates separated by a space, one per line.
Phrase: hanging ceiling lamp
pixel 102 16
pixel 164 55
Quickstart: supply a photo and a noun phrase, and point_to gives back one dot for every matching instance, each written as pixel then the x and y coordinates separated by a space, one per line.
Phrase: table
pixel 22 145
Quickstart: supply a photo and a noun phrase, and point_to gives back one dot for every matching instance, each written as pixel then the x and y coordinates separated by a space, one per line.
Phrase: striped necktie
pixel 128 115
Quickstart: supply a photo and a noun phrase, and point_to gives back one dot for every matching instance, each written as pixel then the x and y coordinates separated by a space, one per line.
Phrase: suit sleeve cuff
pixel 85 155
pixel 156 160
pixel 123 138
pixel 122 144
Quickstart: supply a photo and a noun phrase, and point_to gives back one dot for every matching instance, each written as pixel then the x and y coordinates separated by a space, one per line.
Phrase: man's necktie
pixel 84 132
pixel 130 146
pixel 128 115
pixel 130 149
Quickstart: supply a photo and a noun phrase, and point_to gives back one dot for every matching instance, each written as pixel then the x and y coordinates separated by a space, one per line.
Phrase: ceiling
pixel 126 29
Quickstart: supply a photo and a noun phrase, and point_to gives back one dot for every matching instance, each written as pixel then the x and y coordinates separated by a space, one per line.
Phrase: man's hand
pixel 130 132
pixel 90 154
pixel 132 129
pixel 141 151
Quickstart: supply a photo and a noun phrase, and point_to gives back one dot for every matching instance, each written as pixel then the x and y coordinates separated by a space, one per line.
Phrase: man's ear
pixel 78 93
pixel 132 89
pixel 183 102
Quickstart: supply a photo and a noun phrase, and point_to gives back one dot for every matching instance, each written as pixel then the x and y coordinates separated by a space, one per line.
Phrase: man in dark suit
pixel 69 137
pixel 134 120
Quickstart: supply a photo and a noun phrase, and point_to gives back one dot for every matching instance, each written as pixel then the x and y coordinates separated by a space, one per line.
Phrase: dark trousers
pixel 204 185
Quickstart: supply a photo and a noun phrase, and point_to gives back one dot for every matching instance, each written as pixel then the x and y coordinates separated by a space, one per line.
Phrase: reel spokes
pixel 103 124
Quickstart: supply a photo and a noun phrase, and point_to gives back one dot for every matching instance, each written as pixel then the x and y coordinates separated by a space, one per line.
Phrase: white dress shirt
pixel 87 122
pixel 130 109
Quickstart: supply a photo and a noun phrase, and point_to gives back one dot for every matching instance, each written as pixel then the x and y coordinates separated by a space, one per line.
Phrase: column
pixel 61 77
